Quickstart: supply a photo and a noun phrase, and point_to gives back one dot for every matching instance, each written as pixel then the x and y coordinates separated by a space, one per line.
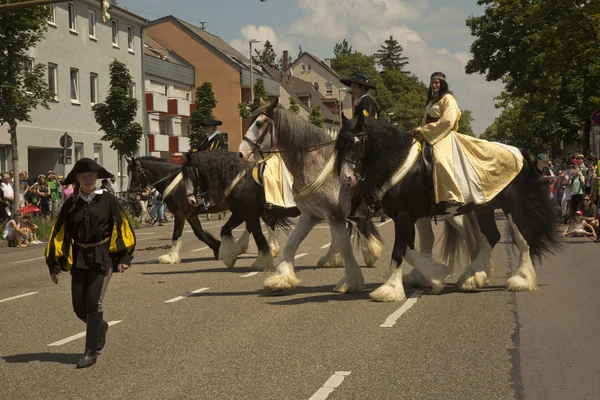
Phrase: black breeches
pixel 88 287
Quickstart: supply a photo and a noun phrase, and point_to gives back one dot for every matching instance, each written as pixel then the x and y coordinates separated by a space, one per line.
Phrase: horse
pixel 308 153
pixel 221 175
pixel 369 152
pixel 162 174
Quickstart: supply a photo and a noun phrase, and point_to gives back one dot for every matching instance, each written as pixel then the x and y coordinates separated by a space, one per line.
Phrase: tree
pixel 266 56
pixel 316 117
pixel 205 104
pixel 300 51
pixel 294 106
pixel 342 48
pixel 23 86
pixel 546 55
pixel 464 126
pixel 260 94
pixel 389 56
pixel 116 116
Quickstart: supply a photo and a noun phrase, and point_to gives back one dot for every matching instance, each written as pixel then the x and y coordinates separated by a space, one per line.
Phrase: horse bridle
pixel 255 146
pixel 142 177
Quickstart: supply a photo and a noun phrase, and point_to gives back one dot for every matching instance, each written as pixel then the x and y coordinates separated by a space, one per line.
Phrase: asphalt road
pixel 232 340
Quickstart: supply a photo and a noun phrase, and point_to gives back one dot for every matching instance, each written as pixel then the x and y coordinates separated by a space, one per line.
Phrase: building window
pixel 72 17
pixel 328 89
pixel 98 153
pixel 93 88
pixel 53 80
pixel 52 18
pixel 303 67
pixel 74 78
pixel 78 151
pixel 308 67
pixel 92 22
pixel 115 32
pixel 130 38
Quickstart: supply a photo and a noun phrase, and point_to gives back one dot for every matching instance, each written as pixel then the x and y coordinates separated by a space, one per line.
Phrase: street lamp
pixel 341 103
pixel 251 83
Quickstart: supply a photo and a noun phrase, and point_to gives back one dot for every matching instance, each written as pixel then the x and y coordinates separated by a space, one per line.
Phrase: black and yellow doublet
pixel 215 143
pixel 367 107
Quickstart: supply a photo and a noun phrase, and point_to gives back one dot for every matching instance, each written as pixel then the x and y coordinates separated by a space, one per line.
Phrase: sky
pixel 433 33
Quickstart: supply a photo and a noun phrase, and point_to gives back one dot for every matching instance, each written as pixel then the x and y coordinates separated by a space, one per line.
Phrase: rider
pixel 466 170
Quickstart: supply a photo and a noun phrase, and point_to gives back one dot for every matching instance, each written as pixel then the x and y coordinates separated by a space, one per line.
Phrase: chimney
pixel 286 60
pixel 328 62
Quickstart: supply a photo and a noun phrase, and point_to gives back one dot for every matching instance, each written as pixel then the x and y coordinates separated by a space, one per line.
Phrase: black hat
pixel 86 165
pixel 211 122
pixel 358 78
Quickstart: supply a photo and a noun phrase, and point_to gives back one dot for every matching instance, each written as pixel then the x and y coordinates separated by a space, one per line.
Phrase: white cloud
pixel 263 33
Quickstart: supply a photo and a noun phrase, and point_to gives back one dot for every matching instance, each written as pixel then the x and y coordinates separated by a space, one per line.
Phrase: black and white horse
pixel 369 152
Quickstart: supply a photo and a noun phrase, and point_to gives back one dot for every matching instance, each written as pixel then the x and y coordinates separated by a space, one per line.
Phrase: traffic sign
pixel 596 117
pixel 66 141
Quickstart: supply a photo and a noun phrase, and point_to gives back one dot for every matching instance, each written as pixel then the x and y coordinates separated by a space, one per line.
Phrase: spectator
pixel 12 176
pixel 15 233
pixel 577 182
pixel 546 174
pixel 32 237
pixel 589 211
pixel 143 201
pixel 43 193
pixel 9 193
pixel 54 187
pixel 565 185
pixel 158 207
pixel 23 188
pixel 68 192
pixel 3 207
pixel 579 227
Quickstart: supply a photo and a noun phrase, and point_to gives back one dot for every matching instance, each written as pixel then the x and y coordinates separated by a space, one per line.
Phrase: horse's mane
pixel 161 161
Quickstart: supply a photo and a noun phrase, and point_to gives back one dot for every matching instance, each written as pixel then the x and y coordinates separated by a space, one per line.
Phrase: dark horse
pixel 368 154
pixel 213 173
pixel 159 173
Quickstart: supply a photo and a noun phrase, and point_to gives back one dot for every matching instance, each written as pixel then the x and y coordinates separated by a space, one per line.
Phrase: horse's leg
pixel 204 236
pixel 426 239
pixel 475 275
pixel 264 261
pixel 524 278
pixel 392 289
pixel 173 256
pixel 353 280
pixel 243 242
pixel 273 242
pixel 370 243
pixel 230 249
pixel 284 276
pixel 333 257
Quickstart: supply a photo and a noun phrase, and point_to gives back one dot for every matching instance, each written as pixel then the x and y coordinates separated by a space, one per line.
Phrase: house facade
pixel 77 50
pixel 324 79
pixel 216 62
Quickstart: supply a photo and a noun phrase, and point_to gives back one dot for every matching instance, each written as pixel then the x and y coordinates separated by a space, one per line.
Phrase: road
pixel 232 340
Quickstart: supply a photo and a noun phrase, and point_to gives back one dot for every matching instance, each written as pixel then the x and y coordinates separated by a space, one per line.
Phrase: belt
pixel 91 245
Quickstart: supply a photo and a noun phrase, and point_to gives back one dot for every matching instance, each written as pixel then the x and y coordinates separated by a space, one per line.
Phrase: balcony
pixel 178 107
pixel 156 102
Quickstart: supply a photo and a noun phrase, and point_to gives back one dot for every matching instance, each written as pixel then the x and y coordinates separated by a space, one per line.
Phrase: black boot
pixel 92 334
pixel 102 338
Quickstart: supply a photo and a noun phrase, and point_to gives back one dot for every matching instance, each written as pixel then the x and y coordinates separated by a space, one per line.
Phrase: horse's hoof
pixel 387 293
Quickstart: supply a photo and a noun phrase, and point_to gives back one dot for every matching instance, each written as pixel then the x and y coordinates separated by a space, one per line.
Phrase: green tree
pixel 466 119
pixel 294 106
pixel 316 117
pixel 205 104
pixel 116 116
pixel 390 57
pixel 300 51
pixel 342 48
pixel 266 56
pixel 545 52
pixel 23 86
pixel 260 95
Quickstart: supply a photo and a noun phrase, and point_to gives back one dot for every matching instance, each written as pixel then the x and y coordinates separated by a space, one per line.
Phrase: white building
pixel 77 51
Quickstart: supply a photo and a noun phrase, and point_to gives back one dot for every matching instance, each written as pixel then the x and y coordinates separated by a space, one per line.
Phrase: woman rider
pixel 92 238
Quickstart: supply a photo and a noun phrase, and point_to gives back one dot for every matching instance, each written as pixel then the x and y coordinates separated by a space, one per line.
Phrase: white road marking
pixel 326 245
pixel 79 335
pixel 393 318
pixel 383 223
pixel 32 259
pixel 249 274
pixel 18 297
pixel 200 249
pixel 297 256
pixel 332 383
pixel 150 237
pixel 188 294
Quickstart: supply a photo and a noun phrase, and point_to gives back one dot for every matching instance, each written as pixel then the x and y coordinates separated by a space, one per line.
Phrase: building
pixel 169 84
pixel 217 62
pixel 77 51
pixel 323 79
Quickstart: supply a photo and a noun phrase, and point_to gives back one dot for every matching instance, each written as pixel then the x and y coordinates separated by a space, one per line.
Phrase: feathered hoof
pixel 279 282
pixel 520 284
pixel 414 279
pixel 330 261
pixel 436 287
pixel 388 293
pixel 372 250
pixel 228 252
pixel 264 262
pixel 354 285
pixel 467 283
pixel 169 259
pixel 275 249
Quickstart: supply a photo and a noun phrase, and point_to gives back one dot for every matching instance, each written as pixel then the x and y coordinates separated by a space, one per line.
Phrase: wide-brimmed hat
pixel 359 79
pixel 211 122
pixel 86 165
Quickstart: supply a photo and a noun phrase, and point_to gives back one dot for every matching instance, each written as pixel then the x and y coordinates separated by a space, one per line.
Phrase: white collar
pixel 212 135
pixel 89 197
pixel 362 97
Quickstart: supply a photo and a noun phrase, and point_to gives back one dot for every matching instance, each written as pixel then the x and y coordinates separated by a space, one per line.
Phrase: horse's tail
pixel 459 249
pixel 367 238
pixel 539 222
pixel 275 220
